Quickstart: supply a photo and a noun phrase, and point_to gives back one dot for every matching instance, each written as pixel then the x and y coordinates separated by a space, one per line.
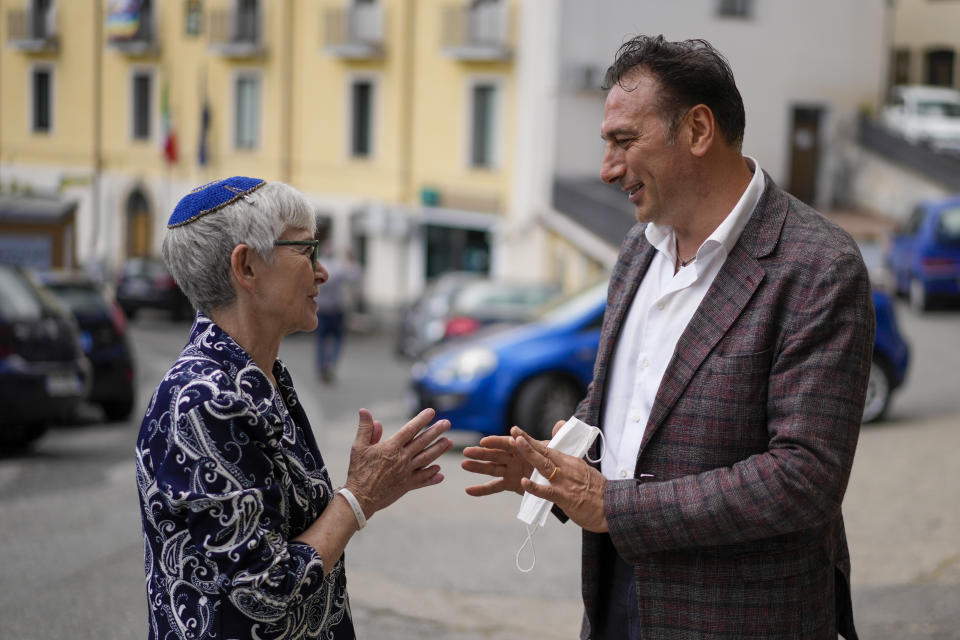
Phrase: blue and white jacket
pixel 228 473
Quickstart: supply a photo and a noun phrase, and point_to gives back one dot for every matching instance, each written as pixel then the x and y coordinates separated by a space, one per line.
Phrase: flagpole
pixel 166 138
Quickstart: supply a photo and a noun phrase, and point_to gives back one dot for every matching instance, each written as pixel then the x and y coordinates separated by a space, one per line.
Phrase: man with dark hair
pixel 729 382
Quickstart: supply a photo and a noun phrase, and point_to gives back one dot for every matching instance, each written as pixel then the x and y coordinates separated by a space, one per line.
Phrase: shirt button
pixel 635 418
pixel 623 473
pixel 660 306
pixel 646 363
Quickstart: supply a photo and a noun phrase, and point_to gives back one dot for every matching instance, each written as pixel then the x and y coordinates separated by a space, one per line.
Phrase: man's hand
pixel 496 457
pixel 575 486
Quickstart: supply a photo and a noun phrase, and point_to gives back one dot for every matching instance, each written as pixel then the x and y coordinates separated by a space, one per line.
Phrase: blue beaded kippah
pixel 211 197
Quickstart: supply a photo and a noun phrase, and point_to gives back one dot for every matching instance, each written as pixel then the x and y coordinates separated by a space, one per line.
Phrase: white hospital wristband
pixel 352 501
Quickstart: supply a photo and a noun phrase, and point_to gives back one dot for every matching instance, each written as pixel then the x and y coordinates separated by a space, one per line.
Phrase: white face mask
pixel 574 438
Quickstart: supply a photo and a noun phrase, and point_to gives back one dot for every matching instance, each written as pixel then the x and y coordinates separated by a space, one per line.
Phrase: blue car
pixel 924 255
pixel 103 336
pixel 535 374
pixel 44 375
pixel 891 356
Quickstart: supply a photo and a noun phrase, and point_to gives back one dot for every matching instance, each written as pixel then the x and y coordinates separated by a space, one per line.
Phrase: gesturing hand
pixel 575 486
pixel 381 472
pixel 496 456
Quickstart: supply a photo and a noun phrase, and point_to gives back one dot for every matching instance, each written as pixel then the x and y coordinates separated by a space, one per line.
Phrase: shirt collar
pixel 728 232
pixel 215 343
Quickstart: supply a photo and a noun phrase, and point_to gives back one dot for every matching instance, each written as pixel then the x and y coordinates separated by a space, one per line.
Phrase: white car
pixel 925 115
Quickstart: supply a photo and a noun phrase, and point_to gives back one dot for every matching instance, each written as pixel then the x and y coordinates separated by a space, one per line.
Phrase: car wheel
pixel 919 300
pixel 879 390
pixel 118 409
pixel 19 436
pixel 543 400
pixel 899 289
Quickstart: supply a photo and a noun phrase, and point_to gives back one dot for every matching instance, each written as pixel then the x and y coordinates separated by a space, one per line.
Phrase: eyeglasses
pixel 313 244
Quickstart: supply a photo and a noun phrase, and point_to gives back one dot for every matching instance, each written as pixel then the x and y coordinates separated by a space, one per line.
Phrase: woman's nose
pixel 320 273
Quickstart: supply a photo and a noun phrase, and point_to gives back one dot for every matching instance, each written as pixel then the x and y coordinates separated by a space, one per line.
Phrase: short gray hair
pixel 198 254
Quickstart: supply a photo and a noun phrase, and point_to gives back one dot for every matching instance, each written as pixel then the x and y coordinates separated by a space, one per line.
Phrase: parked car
pixel 925 115
pixel 459 304
pixel 43 373
pixel 533 374
pixel 924 254
pixel 103 336
pixel 433 303
pixel 146 283
pixel 891 357
pixel 536 373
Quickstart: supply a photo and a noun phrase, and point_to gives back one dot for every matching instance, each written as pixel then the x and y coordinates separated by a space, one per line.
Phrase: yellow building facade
pixel 395 117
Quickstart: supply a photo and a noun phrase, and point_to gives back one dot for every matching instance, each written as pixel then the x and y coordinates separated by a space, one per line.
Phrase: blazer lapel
pixel 725 300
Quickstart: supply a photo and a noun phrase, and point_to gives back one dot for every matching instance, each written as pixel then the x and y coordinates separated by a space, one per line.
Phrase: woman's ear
pixel 242 268
pixel 702 128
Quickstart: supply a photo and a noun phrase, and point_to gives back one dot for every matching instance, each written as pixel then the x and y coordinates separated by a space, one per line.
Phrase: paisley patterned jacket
pixel 228 473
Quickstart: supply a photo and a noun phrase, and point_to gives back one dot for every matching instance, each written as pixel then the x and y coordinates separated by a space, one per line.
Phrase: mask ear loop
pixel 603 449
pixel 531 529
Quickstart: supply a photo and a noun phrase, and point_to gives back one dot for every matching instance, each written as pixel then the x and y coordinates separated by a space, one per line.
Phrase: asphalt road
pixel 440 564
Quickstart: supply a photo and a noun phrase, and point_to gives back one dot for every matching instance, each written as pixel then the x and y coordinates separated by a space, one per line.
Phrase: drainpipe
pixel 287 101
pixel 406 108
pixel 407 121
pixel 97 127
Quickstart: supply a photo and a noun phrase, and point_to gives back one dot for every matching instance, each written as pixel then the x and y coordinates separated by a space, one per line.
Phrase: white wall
pixel 817 52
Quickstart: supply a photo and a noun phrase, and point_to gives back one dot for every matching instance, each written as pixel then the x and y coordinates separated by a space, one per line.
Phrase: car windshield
pixel 939 108
pixel 949 229
pixel 144 268
pixel 574 305
pixel 79 298
pixel 487 295
pixel 17 298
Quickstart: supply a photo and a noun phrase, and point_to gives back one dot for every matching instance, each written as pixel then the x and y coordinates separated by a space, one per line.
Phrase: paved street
pixel 439 564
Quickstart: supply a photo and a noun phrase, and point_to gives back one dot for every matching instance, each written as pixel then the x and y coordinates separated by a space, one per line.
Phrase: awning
pixel 35 209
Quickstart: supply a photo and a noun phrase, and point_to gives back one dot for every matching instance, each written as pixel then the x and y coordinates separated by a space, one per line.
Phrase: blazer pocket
pixel 739 363
pixel 763 567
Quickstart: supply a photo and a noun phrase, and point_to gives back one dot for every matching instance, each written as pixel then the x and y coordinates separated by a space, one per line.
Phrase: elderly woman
pixel 244 533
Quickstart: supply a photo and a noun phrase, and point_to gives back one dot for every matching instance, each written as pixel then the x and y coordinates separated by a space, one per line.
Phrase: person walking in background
pixel 729 381
pixel 333 302
pixel 244 533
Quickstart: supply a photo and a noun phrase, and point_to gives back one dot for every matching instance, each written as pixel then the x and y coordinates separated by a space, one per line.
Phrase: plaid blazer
pixel 737 530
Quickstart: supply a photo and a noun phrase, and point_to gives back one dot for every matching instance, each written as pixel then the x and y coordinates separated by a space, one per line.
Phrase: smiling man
pixel 729 381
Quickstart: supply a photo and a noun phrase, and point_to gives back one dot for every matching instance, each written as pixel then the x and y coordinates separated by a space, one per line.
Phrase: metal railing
pixel 480 32
pixel 31 30
pixel 939 167
pixel 355 32
pixel 236 34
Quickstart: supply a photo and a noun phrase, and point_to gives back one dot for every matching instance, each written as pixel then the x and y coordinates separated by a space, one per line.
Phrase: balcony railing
pixel 477 33
pixel 236 35
pixel 354 33
pixel 132 33
pixel 31 30
pixel 943 168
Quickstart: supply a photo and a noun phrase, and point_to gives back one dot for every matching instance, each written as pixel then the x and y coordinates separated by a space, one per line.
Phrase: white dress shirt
pixel 663 306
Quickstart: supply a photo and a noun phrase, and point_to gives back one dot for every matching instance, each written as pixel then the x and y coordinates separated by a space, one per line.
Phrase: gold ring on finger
pixel 555 469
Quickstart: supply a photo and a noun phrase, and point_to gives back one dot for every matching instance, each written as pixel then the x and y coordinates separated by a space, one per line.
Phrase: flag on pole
pixel 166 123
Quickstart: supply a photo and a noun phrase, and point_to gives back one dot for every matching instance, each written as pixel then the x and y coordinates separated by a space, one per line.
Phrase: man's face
pixel 638 156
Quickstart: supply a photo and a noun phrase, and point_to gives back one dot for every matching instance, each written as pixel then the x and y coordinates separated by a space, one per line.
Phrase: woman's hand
pixel 381 472
pixel 497 456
